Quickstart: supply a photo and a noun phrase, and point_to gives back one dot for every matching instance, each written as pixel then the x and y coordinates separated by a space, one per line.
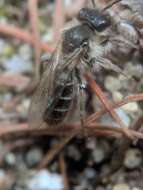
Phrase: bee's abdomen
pixel 58 110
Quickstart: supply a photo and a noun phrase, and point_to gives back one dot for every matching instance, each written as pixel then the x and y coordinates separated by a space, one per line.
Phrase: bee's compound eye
pixel 102 23
pixel 94 19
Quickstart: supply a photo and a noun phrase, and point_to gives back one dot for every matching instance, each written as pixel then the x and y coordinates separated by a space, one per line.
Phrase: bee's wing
pixel 46 88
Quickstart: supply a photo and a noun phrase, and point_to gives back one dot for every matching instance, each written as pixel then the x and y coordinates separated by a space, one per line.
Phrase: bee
pixel 93 41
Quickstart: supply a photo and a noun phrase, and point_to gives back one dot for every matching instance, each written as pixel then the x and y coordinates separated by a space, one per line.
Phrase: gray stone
pixel 10 159
pixel 89 173
pixel 17 64
pixel 33 157
pixel 74 153
pixel 112 83
pixel 133 159
pixel 99 154
pixel 134 69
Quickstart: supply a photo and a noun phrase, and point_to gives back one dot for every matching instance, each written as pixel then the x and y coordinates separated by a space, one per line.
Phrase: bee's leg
pixel 81 88
pixel 106 64
pixel 81 106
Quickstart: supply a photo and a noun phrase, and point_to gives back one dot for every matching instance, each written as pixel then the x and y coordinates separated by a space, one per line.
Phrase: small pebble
pixel 17 64
pixel 109 187
pixel 100 188
pixel 2 46
pixel 7 97
pixel 68 3
pixel 99 154
pixel 90 144
pixel 89 173
pixel 117 96
pixel 133 159
pixel 83 184
pixel 131 107
pixel 5 180
pixel 33 157
pixel 112 84
pixel 74 153
pixel 3 20
pixel 22 167
pixel 48 36
pixel 10 159
pixel 23 107
pixel 43 180
pixel 135 70
pixel 121 187
pixel 25 52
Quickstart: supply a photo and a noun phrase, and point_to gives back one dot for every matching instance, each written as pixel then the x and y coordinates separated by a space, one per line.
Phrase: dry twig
pixel 24 128
pixel 14 81
pixel 105 102
pixel 123 145
pixel 22 35
pixel 33 13
pixel 58 19
pixel 55 150
pixel 63 169
pixel 126 100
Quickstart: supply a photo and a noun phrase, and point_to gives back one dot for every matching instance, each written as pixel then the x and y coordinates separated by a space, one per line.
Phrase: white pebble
pixel 121 187
pixel 134 69
pixel 117 96
pixel 45 180
pixel 112 84
pixel 131 107
pixel 133 159
pixel 10 159
pixel 99 155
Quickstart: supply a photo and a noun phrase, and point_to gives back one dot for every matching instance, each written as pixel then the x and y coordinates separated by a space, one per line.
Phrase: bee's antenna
pixel 93 3
pixel 110 5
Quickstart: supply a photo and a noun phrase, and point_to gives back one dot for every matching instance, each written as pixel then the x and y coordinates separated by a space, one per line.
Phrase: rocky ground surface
pixel 91 163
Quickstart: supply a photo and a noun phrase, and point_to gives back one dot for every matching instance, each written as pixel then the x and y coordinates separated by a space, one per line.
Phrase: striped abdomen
pixel 60 105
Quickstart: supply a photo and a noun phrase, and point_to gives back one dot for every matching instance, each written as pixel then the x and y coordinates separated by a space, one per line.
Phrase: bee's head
pixel 97 20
